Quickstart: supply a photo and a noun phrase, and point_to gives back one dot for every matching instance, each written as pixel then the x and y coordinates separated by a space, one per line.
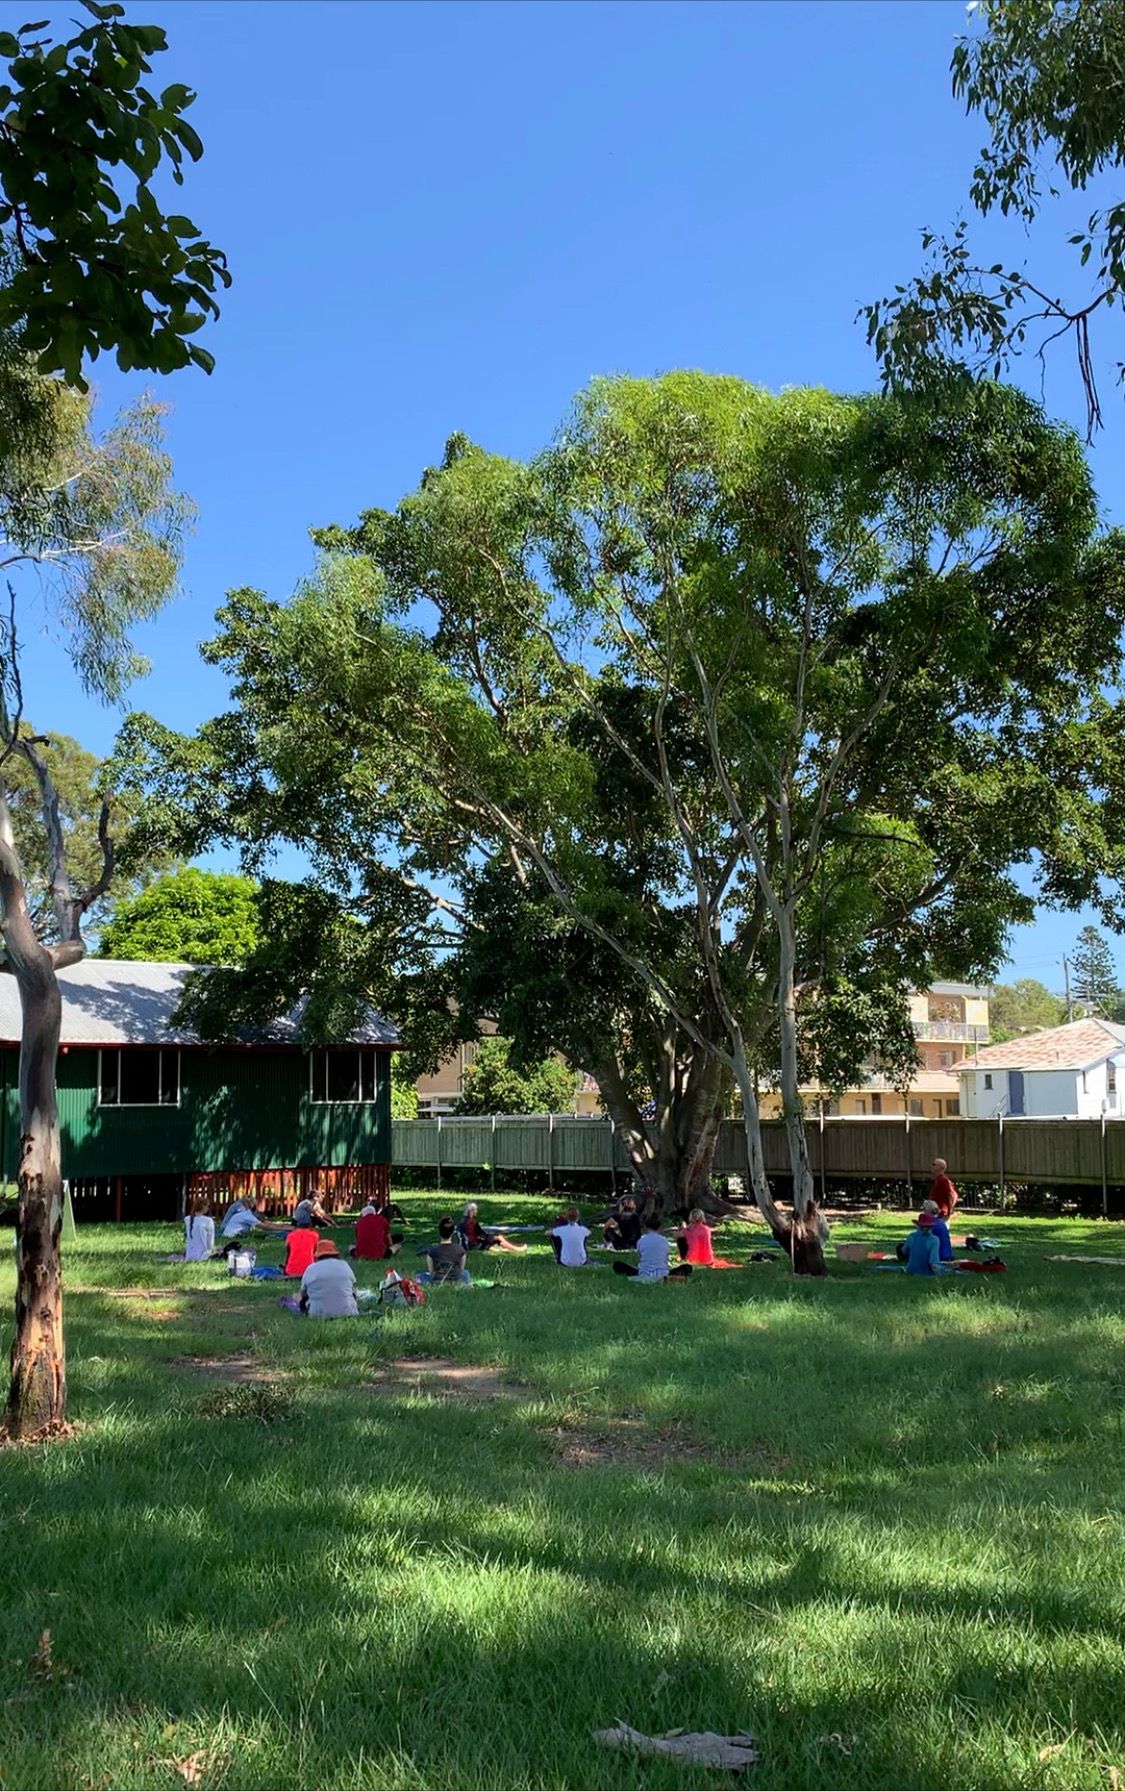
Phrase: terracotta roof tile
pixel 1074 1047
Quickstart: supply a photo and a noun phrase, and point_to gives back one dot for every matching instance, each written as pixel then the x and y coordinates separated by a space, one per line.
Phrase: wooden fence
pixel 1080 1151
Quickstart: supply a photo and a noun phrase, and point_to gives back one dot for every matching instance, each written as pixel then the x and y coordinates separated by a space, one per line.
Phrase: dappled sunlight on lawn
pixel 877 1523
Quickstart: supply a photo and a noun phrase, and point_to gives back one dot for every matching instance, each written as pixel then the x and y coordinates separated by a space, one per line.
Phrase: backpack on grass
pixel 400 1290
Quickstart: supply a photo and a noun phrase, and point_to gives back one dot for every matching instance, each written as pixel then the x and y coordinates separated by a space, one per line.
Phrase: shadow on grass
pixel 918 1553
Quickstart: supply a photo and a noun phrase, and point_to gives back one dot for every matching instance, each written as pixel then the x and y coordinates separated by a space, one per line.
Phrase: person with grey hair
pixel 940 1230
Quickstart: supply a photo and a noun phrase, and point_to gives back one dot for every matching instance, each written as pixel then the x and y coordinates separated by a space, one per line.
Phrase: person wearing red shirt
pixel 300 1248
pixel 374 1239
pixel 943 1193
pixel 695 1240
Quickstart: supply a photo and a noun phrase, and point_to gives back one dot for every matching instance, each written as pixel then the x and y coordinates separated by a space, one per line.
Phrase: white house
pixel 1073 1070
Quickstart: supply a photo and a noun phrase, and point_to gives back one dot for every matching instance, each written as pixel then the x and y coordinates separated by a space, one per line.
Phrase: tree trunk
pixel 808 1231
pixel 672 1154
pixel 37 1394
pixel 800 1236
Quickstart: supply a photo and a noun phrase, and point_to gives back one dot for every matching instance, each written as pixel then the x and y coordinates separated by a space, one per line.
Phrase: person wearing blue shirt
pixel 922 1254
pixel 941 1230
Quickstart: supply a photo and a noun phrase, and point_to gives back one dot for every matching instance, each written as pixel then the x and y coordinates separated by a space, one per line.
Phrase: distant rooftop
pixel 116 1001
pixel 1078 1046
pixel 967 989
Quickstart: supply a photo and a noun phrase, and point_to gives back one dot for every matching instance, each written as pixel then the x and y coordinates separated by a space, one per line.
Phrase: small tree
pixel 493 1083
pixel 109 528
pixel 1093 973
pixel 190 916
pixel 1023 1006
pixel 90 263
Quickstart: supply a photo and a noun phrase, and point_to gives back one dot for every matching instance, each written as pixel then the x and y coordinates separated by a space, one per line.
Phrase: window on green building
pixel 349 1075
pixel 139 1078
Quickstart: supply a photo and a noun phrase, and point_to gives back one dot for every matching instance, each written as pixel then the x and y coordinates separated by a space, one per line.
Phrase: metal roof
pixel 1078 1046
pixel 117 1001
pixel 955 989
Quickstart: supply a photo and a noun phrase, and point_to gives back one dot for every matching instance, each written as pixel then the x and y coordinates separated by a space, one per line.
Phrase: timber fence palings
pixel 1089 1152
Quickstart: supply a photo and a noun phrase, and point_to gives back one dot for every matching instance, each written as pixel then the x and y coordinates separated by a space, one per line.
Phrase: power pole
pixel 1066 979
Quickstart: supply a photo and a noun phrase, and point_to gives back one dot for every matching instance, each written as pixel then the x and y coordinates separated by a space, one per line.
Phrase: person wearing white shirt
pixel 199 1235
pixel 654 1255
pixel 328 1285
pixel 241 1217
pixel 569 1240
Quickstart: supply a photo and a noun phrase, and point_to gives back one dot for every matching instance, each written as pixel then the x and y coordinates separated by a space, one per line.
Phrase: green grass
pixel 875 1521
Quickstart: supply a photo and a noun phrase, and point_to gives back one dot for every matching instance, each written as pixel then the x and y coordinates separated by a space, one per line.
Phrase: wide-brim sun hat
pixel 326 1248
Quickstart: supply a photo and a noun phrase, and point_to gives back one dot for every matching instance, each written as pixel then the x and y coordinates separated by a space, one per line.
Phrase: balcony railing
pixel 951 1032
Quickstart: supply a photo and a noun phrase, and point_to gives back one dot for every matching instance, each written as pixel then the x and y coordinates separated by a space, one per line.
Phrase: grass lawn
pixel 877 1522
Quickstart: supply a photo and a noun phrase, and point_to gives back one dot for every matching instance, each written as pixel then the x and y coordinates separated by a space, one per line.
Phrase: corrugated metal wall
pixel 238 1110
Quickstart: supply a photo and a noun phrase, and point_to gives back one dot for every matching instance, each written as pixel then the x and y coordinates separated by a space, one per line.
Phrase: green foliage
pixel 1023 1006
pixel 1045 76
pixel 1094 980
pixel 78 778
pixel 404 1095
pixel 313 952
pixel 94 263
pixel 493 1083
pixel 190 916
pixel 99 518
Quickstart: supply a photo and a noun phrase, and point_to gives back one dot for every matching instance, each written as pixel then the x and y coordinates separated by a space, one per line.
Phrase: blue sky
pixel 449 216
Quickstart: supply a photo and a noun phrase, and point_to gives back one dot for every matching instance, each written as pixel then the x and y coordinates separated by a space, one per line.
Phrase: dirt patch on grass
pixel 132 1293
pixel 629 1443
pixel 437 1374
pixel 161 1293
pixel 237 1368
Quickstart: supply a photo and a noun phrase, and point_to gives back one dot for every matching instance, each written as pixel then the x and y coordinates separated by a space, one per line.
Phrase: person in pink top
pixel 694 1240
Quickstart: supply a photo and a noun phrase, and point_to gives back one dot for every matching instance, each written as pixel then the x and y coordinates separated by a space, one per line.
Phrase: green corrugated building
pixel 152 1117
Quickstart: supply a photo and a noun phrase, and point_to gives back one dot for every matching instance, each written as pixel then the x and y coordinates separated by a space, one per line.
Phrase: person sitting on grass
pixel 445 1260
pixel 475 1237
pixel 568 1240
pixel 922 1255
pixel 310 1211
pixel 300 1249
pixel 940 1230
pixel 374 1239
pixel 623 1230
pixel 241 1217
pixel 654 1255
pixel 199 1234
pixel 694 1240
pixel 328 1284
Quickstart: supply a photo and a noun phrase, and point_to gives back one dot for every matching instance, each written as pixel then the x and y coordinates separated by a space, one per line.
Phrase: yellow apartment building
pixel 950 1022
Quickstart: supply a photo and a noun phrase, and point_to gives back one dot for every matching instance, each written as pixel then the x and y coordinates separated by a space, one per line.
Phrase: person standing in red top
pixel 695 1240
pixel 943 1193
pixel 374 1239
pixel 300 1248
